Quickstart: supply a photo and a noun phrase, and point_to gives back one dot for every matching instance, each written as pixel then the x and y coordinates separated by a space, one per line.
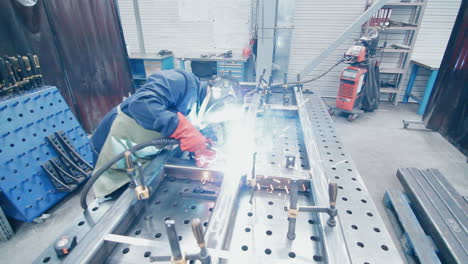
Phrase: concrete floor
pixel 376 141
pixel 379 146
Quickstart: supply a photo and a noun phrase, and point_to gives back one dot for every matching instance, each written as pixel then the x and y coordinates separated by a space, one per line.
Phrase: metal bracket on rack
pixel 63 173
pixel 72 154
pixel 68 156
pixel 55 178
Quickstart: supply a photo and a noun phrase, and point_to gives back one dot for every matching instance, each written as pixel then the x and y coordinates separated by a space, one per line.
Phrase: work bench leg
pixel 427 92
pixel 409 87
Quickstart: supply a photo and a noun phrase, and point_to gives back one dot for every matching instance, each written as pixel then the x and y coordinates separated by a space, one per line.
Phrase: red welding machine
pixel 359 85
pixel 351 81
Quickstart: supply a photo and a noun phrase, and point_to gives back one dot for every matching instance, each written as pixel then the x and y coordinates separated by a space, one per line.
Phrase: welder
pixel 158 109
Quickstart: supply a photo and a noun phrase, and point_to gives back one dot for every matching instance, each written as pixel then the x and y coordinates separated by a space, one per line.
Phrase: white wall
pixel 317 23
pixel 188 26
pixel 433 37
pixel 195 27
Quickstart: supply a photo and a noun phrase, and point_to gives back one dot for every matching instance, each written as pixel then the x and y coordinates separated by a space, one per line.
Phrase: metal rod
pixel 344 36
pixel 198 233
pixel 173 240
pixel 141 41
pixel 292 208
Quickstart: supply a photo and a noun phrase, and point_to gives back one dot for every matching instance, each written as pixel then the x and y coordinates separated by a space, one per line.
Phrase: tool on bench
pixel 293 209
pixel 227 54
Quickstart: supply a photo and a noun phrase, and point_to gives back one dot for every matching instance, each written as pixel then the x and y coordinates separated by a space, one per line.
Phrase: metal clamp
pixel 183 260
pixel 293 210
pixel 293 213
pixel 142 192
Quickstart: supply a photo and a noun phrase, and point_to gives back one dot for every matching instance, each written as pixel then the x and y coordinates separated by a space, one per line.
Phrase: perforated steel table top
pixel 256 231
pixel 367 239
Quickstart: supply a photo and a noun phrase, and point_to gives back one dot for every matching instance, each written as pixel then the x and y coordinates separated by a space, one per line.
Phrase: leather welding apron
pixel 124 128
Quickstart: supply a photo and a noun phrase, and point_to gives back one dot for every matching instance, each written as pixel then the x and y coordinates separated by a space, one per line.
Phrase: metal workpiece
pixel 363 231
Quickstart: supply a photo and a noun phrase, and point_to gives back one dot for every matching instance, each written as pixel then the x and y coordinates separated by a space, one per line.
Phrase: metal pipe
pixel 141 41
pixel 343 36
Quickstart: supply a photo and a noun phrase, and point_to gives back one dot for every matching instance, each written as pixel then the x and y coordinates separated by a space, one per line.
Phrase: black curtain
pixel 447 111
pixel 80 46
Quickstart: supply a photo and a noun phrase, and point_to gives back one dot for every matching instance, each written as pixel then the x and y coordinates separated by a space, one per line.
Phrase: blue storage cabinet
pixel 233 68
pixel 137 65
pixel 25 189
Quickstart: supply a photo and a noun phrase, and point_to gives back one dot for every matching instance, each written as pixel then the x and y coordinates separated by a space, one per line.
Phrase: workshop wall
pixel 447 111
pixel 188 27
pixel 80 48
pixel 433 37
pixel 318 23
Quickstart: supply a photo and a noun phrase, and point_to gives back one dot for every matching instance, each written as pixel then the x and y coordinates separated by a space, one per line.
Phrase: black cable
pixel 313 79
pixel 323 74
pixel 98 173
pixel 371 97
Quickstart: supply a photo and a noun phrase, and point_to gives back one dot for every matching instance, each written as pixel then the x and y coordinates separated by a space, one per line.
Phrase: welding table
pixel 237 230
pixel 433 67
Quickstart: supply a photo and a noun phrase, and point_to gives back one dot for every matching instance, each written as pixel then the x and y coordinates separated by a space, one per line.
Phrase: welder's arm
pixel 192 140
pixel 151 111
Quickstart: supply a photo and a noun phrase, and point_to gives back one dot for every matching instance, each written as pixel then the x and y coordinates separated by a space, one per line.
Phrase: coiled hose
pixel 98 173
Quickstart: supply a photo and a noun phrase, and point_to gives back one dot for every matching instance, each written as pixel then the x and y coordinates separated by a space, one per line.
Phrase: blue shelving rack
pixel 26 120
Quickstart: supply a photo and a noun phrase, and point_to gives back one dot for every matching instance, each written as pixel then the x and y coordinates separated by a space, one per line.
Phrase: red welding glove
pixel 193 141
pixel 205 158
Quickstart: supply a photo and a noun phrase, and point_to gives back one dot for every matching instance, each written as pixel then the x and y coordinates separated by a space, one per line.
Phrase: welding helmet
pixel 219 92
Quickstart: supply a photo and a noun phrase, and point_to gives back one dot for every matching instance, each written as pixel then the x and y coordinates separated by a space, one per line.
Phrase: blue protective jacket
pixel 155 105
